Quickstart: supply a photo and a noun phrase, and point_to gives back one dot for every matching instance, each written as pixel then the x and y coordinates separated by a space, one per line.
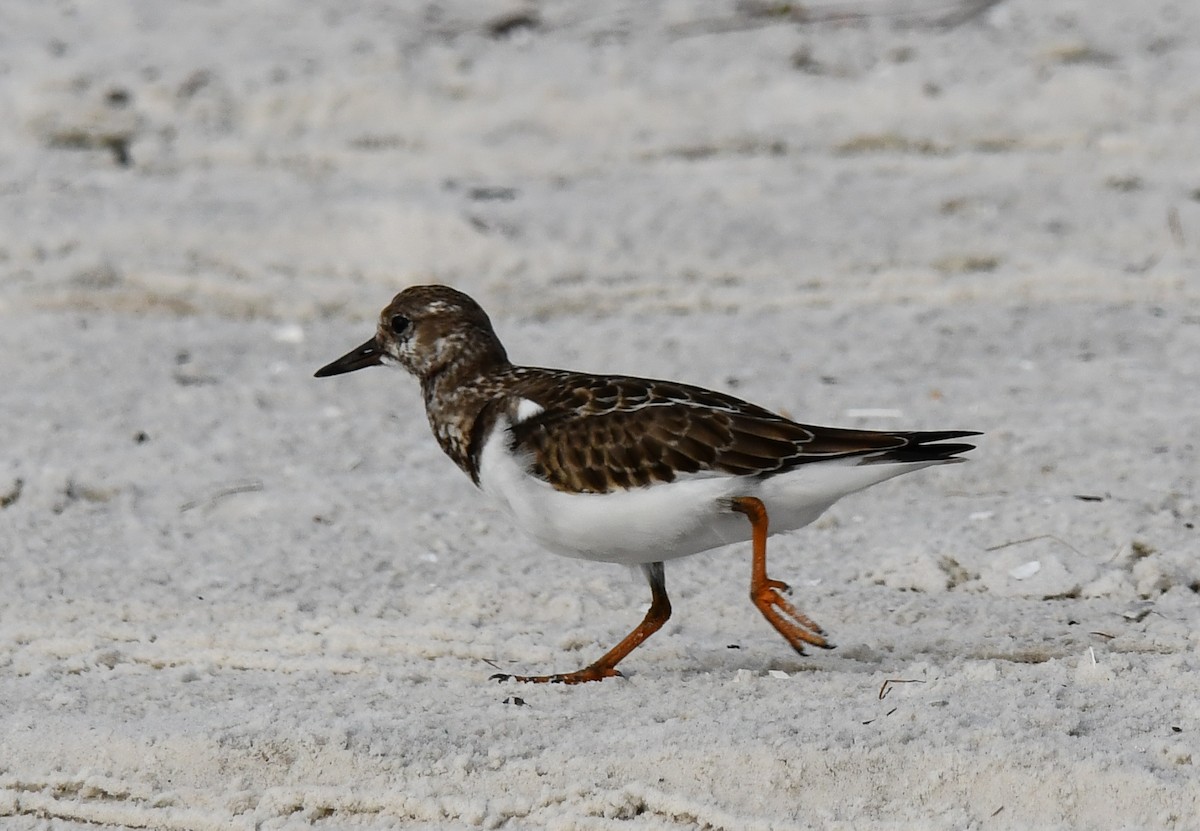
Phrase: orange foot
pixel 766 594
pixel 606 666
pixel 580 676
pixel 796 627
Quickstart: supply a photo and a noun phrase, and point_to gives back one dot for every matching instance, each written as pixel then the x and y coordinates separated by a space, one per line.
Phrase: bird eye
pixel 398 323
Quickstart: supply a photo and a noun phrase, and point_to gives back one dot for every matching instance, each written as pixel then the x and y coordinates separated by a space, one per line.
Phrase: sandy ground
pixel 232 596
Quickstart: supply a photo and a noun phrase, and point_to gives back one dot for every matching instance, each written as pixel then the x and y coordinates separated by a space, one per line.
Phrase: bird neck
pixel 456 396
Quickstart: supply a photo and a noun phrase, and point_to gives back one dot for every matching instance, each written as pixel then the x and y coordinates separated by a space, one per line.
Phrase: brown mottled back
pixel 602 433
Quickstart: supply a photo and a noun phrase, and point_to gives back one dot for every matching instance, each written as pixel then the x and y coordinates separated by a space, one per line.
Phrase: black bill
pixel 366 355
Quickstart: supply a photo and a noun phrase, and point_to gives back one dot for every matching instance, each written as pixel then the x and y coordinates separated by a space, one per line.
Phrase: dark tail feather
pixel 923 447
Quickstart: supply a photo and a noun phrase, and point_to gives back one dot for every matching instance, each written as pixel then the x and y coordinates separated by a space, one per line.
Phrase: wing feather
pixel 598 434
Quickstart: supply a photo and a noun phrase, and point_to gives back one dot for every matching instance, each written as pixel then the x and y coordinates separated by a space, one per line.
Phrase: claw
pixel 796 627
pixel 582 676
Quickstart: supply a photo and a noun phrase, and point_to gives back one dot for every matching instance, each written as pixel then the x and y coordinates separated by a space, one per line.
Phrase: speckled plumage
pixel 628 469
pixel 599 433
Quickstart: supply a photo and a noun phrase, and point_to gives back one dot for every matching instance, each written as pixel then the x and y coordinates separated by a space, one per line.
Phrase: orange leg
pixel 606 666
pixel 797 628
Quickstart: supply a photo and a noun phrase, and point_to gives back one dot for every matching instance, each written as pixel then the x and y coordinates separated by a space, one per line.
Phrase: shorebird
pixel 629 470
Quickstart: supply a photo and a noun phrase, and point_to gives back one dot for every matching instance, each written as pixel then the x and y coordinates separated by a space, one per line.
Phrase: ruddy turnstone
pixel 629 470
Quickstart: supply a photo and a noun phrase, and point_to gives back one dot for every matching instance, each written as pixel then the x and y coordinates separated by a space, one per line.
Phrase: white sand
pixel 281 606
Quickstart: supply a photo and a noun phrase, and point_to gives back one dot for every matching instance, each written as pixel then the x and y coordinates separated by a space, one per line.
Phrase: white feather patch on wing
pixel 527 409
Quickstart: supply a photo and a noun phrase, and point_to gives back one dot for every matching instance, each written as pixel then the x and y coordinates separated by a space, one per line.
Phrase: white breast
pixel 643 525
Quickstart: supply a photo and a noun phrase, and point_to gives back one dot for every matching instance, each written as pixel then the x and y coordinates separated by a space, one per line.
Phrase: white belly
pixel 635 526
pixel 664 521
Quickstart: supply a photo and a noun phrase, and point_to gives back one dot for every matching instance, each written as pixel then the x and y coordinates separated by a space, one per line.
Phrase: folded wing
pixel 598 434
